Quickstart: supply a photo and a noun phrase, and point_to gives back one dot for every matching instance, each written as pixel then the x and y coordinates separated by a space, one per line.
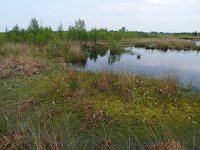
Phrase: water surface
pixel 184 64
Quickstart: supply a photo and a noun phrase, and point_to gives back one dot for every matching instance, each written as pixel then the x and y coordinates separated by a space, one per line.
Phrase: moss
pixel 126 118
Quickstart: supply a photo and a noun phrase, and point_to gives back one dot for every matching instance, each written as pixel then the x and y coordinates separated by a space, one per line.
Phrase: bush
pixel 115 46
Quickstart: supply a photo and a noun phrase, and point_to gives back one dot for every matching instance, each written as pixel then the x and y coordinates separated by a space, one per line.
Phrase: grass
pixel 46 105
pixel 163 43
pixel 75 54
pixel 94 110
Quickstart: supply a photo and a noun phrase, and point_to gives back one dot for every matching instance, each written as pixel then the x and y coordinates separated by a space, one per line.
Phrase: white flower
pixel 53 102
pixel 6 118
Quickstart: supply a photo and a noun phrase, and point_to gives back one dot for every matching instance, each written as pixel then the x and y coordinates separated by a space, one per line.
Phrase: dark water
pixel 184 64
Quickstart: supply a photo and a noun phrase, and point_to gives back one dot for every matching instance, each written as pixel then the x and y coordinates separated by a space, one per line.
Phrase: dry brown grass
pixel 75 54
pixel 19 49
pixel 11 141
pixel 104 145
pixel 28 105
pixel 169 145
pixel 48 145
pixel 98 44
pixel 75 94
pixel 162 43
pixel 19 66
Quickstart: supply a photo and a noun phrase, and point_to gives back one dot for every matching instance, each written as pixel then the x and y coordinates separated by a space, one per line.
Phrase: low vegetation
pixel 56 42
pixel 45 104
pixel 64 108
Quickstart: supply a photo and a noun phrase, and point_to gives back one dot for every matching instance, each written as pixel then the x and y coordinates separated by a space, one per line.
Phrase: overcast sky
pixel 140 15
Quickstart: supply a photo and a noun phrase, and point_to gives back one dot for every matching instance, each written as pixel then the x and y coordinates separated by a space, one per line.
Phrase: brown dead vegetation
pixel 28 105
pixel 48 145
pixel 51 114
pixel 105 83
pixel 11 141
pixel 96 118
pixel 11 67
pixel 104 145
pixel 170 145
pixel 75 94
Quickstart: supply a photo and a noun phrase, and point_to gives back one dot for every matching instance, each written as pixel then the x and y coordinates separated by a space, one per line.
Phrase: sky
pixel 135 15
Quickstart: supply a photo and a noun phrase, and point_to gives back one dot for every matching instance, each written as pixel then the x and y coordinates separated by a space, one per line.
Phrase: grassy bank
pixel 60 108
pixel 163 43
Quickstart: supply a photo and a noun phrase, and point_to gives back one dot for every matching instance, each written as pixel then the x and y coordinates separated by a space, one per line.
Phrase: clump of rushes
pixel 167 86
pixel 125 85
pixel 75 54
pixel 104 83
pixel 75 91
pixel 74 84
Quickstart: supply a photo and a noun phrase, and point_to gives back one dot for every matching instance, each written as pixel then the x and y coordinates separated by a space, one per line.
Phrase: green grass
pixel 67 99
pixel 60 108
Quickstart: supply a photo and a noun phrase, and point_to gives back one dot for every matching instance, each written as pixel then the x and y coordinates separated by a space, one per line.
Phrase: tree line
pixel 37 34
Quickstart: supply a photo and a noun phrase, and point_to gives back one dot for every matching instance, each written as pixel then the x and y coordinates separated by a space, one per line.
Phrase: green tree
pixel 33 29
pixel 60 30
pixel 45 35
pixel 80 25
pixel 33 26
pixel 15 28
pixel 93 35
pixel 195 33
pixel 78 31
pixel 123 29
pixel 15 34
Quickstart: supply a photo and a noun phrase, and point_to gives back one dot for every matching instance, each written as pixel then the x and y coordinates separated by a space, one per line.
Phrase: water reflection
pixel 113 57
pixel 93 53
pixel 185 64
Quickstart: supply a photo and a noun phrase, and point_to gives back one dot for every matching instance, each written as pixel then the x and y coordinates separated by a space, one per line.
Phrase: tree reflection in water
pixel 94 53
